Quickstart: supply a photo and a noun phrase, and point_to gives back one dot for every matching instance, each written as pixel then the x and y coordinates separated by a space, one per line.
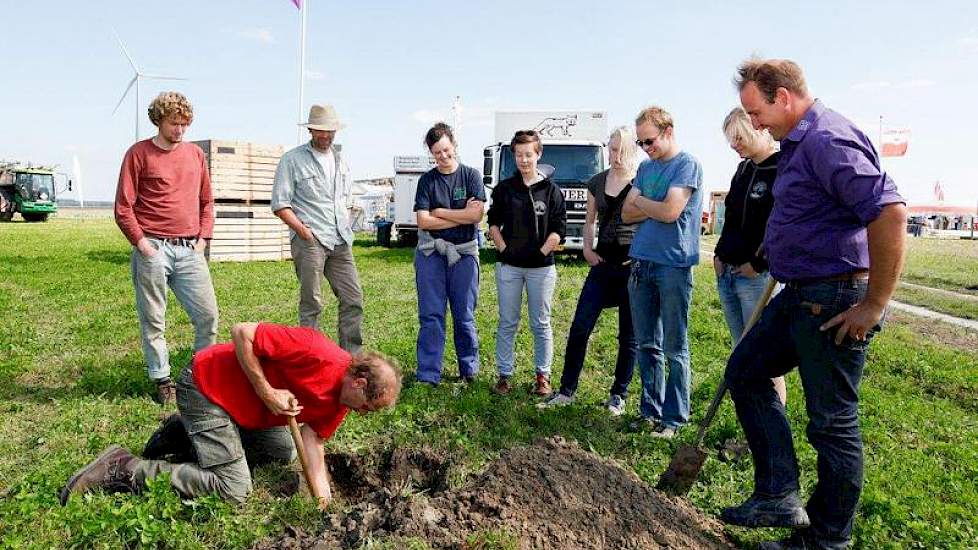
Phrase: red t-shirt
pixel 164 193
pixel 298 359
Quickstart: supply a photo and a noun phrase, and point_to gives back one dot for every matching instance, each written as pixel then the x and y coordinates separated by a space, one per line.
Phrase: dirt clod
pixel 551 494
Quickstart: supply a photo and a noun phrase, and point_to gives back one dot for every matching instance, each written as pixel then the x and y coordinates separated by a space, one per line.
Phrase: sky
pixel 393 68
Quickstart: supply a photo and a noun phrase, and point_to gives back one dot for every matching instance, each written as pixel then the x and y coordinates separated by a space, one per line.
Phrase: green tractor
pixel 29 190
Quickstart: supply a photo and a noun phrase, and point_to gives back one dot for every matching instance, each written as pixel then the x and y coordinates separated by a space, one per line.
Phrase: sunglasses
pixel 649 142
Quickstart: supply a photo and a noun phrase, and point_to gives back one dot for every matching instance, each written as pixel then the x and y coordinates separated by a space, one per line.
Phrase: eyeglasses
pixel 649 142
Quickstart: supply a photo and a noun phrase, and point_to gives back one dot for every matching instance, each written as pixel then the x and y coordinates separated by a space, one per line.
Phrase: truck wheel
pixel 31 217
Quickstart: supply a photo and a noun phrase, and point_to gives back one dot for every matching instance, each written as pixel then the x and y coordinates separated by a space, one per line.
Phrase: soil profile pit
pixel 551 494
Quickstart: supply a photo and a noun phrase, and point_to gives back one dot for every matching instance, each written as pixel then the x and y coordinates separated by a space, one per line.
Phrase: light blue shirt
pixel 675 244
pixel 319 200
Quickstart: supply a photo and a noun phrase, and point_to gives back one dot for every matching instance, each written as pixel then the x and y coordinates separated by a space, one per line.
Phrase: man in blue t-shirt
pixel 449 206
pixel 667 200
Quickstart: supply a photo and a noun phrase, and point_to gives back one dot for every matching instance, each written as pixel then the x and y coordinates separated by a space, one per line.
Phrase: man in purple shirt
pixel 836 239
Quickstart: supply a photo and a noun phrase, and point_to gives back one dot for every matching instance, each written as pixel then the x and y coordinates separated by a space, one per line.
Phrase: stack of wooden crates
pixel 245 228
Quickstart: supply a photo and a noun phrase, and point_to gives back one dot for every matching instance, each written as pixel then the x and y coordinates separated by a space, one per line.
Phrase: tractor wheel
pixel 32 217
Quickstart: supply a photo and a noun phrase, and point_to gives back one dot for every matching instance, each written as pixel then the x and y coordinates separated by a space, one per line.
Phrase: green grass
pixel 72 381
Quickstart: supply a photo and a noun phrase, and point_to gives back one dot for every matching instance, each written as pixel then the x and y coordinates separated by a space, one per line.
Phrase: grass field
pixel 72 381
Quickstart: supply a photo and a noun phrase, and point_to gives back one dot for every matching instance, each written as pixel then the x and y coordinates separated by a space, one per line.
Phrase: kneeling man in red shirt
pixel 234 400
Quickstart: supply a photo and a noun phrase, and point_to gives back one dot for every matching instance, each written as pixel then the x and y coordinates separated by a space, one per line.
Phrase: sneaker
pixel 502 387
pixel 166 392
pixel 556 399
pixel 643 424
pixel 542 387
pixel 170 442
pixel 615 405
pixel 111 471
pixel 663 432
pixel 758 511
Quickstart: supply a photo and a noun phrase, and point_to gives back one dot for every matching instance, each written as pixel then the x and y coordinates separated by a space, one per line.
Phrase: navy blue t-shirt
pixel 437 190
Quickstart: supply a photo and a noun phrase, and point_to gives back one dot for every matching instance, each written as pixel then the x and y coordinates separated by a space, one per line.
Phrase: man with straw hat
pixel 311 194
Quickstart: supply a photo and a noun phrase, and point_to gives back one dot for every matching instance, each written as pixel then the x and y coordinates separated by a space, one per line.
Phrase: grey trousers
pixel 312 262
pixel 224 451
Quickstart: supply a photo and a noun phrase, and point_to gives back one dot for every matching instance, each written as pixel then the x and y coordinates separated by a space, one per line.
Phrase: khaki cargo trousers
pixel 224 450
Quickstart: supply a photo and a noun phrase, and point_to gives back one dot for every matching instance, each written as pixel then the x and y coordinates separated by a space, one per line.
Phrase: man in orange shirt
pixel 163 205
pixel 234 402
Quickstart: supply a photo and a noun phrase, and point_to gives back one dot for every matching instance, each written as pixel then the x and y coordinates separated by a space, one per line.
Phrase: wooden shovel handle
pixel 301 450
pixel 722 387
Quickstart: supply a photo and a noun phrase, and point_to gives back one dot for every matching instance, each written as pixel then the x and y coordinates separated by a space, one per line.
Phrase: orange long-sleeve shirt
pixel 164 193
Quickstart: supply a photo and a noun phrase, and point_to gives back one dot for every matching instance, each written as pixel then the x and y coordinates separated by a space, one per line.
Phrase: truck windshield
pixel 573 163
pixel 35 187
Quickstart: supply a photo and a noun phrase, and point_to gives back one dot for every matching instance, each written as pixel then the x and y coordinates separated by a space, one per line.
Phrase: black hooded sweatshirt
pixel 748 205
pixel 526 216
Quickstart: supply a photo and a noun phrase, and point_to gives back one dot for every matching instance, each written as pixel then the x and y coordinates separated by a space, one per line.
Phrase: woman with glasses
pixel 526 223
pixel 606 285
pixel 741 271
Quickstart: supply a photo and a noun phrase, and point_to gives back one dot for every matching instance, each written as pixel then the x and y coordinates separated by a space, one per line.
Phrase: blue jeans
pixel 660 297
pixel 188 276
pixel 738 296
pixel 539 283
pixel 606 286
pixel 457 286
pixel 788 335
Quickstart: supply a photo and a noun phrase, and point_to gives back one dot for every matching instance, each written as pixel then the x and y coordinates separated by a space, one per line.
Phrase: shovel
pixel 301 450
pixel 688 461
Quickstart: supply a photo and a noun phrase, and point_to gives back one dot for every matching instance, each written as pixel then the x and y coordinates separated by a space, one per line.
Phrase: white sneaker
pixel 663 432
pixel 556 399
pixel 615 405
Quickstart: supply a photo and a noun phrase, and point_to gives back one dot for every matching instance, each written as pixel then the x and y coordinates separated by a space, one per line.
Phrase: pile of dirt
pixel 551 494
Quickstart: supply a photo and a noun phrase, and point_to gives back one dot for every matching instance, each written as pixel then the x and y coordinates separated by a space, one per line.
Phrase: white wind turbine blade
pixel 160 77
pixel 125 93
pixel 125 51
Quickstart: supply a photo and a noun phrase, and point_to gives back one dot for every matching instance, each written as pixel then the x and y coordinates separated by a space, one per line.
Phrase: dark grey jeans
pixel 224 450
pixel 787 335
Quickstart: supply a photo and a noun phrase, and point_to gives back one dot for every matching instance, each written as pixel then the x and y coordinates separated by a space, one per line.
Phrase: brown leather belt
pixel 858 275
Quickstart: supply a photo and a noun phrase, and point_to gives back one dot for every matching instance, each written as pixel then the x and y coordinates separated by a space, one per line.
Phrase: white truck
pixel 573 144
pixel 407 171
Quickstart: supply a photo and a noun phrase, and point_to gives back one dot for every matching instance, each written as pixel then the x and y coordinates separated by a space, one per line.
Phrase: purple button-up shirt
pixel 829 188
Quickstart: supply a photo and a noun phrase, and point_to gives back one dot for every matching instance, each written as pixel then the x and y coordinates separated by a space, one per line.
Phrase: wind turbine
pixel 135 81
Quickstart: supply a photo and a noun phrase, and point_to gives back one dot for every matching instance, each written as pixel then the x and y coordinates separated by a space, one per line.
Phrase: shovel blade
pixel 683 470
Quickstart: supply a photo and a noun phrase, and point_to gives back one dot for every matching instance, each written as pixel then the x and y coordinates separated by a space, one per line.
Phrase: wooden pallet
pixel 241 171
pixel 246 232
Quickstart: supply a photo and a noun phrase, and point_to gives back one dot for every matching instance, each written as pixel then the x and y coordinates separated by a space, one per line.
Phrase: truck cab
pixel 573 144
pixel 28 190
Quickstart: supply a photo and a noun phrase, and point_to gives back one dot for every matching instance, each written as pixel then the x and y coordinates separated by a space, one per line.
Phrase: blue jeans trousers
pixel 660 297
pixel 738 297
pixel 456 286
pixel 539 283
pixel 606 286
pixel 786 336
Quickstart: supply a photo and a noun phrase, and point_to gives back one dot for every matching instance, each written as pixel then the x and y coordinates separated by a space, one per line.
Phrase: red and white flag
pixel 895 143
pixel 938 191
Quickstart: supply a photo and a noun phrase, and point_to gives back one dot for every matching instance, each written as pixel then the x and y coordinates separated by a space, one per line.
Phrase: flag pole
pixel 303 6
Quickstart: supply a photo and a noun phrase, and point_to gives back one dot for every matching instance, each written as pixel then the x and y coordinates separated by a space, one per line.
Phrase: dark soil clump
pixel 551 494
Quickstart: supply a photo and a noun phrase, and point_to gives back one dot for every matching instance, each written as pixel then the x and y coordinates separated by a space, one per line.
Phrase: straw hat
pixel 323 117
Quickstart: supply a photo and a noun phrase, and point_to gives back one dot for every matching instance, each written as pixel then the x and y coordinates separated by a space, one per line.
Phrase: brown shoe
pixel 166 392
pixel 111 471
pixel 542 386
pixel 502 386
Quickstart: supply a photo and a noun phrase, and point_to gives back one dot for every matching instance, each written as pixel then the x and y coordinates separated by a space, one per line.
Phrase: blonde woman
pixel 606 285
pixel 741 272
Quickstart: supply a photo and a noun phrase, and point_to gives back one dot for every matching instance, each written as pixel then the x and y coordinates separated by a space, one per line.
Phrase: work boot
pixel 502 386
pixel 542 386
pixel 111 471
pixel 758 511
pixel 166 392
pixel 797 541
pixel 170 442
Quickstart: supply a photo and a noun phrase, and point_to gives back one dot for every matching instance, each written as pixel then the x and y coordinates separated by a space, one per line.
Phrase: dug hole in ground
pixel 551 494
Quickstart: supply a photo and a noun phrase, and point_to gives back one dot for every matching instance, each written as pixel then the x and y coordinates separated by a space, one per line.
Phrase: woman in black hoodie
pixel 741 272
pixel 526 223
